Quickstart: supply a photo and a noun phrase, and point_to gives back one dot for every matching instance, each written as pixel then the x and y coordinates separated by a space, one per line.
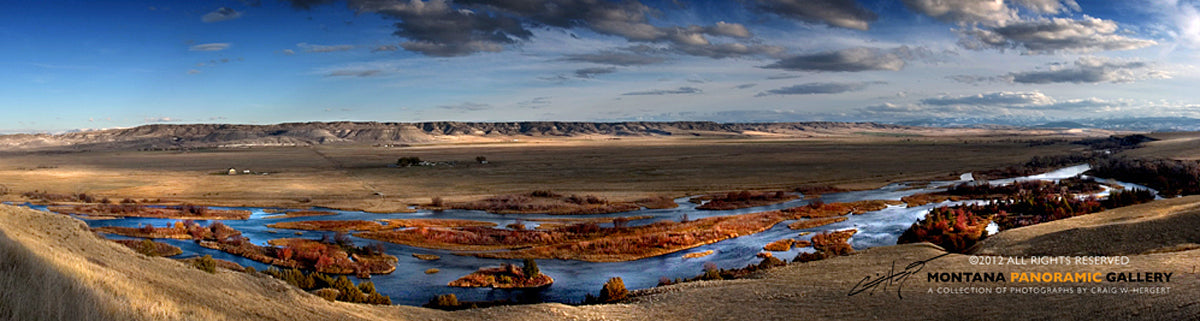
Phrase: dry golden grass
pixel 1174 145
pixel 349 177
pixel 54 268
pixel 151 248
pixel 65 272
pixel 54 296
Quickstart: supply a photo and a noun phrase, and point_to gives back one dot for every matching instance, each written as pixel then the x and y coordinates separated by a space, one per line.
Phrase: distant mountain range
pixel 1148 124
pixel 191 136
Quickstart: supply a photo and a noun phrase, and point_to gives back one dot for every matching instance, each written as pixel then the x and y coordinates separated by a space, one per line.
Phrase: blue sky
pixel 91 64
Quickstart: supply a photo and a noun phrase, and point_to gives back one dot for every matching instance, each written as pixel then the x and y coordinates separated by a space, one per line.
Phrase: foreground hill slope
pixel 51 267
pixel 182 136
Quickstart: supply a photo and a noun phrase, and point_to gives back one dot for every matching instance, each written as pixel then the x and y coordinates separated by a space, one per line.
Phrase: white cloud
pixel 216 46
pixel 1046 36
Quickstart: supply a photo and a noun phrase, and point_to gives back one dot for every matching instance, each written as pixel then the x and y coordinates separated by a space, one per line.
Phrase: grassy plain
pixel 358 176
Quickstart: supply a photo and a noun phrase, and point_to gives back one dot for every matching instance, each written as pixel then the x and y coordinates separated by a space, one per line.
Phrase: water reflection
pixel 573 279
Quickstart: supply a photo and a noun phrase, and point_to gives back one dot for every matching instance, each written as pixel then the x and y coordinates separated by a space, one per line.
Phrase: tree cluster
pixel 1169 177
pixel 320 284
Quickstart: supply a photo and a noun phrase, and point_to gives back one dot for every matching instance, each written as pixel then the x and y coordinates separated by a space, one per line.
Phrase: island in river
pixel 593 243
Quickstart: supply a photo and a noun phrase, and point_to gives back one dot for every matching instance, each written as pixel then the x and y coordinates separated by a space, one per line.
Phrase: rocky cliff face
pixel 162 136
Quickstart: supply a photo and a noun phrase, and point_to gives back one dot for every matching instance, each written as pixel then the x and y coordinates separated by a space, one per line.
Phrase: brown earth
pixel 87 278
pixel 622 169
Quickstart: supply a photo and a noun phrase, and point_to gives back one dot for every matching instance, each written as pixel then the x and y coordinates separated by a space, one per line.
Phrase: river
pixel 410 285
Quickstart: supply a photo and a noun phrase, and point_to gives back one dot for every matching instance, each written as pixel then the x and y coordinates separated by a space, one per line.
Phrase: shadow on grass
pixel 34 290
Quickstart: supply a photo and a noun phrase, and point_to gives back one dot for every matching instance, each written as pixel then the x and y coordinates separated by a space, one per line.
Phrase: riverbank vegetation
pixel 507 276
pixel 656 202
pixel 546 202
pixel 426 257
pixel 613 291
pixel 149 247
pixel 335 255
pixel 816 190
pixel 785 245
pixel 828 244
pixel 1035 165
pixel 181 212
pixel 697 255
pixel 591 242
pixel 557 223
pixel 711 272
pixel 958 228
pixel 363 225
pixel 1170 177
pixel 331 288
pixel 1068 187
pixel 741 199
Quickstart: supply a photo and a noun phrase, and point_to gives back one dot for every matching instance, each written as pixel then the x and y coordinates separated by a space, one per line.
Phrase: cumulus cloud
pixel 964 11
pixel 1003 98
pixel 592 72
pixel 722 28
pixel 677 91
pixel 436 28
pixel 819 88
pixel 727 50
pixel 1048 6
pixel 1083 70
pixel 1014 105
pixel 616 58
pixel 216 46
pixel 853 59
pixel 447 28
pixel 467 106
pixel 987 12
pixel 1089 70
pixel 1045 36
pixel 323 48
pixel 837 13
pixel 221 14
pixel 893 108
pixel 1018 100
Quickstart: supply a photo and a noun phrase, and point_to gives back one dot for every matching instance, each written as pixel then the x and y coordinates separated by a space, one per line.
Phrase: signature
pixel 890 278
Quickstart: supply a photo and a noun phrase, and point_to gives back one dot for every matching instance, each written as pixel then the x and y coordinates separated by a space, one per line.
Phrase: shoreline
pixel 818 288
